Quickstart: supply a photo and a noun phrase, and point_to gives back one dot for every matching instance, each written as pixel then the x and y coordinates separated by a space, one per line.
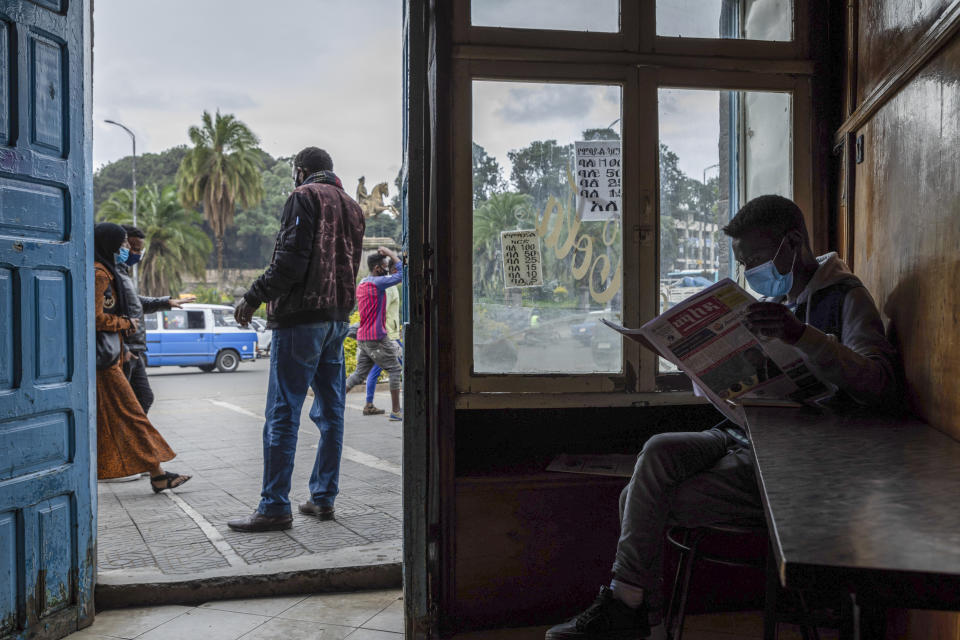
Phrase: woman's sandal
pixel 170 480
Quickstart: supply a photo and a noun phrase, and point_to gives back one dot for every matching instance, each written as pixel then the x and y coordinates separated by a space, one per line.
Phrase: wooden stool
pixel 687 541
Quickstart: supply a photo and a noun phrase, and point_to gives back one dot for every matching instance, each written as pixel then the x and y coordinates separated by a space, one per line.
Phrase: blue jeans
pixel 375 374
pixel 302 356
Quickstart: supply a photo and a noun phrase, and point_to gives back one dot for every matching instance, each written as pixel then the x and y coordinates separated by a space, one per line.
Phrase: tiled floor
pixel 365 615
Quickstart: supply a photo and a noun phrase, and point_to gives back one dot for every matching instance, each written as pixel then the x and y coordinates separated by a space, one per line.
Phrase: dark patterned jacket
pixel 312 275
pixel 137 306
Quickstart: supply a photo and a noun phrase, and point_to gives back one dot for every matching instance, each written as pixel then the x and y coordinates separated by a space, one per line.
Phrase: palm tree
pixel 222 169
pixel 175 244
pixel 500 212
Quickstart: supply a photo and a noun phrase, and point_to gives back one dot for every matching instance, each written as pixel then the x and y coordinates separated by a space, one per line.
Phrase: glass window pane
pixel 546 227
pixel 737 19
pixel 769 162
pixel 195 320
pixel 175 320
pixel 718 149
pixel 223 318
pixel 568 15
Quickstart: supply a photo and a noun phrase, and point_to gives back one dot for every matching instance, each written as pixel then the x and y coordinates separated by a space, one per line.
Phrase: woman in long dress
pixel 127 444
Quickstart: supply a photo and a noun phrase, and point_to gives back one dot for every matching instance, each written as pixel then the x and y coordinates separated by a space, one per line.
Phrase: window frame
pixel 528 55
pixel 465 73
pixel 638 33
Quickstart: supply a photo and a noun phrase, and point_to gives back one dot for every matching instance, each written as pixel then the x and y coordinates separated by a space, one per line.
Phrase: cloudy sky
pixel 328 73
pixel 299 73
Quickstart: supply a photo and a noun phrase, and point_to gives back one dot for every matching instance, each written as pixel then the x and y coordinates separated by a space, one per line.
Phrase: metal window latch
pixel 860 148
pixel 643 233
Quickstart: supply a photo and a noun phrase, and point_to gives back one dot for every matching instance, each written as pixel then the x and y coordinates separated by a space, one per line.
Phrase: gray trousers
pixel 687 479
pixel 383 352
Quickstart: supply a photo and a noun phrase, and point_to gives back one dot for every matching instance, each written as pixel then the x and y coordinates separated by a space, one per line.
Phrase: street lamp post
pixel 133 138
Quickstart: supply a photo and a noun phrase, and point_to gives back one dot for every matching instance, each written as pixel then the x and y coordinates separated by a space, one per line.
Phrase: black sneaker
pixel 607 618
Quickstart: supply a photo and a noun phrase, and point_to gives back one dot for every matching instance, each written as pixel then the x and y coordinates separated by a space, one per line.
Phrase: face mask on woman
pixel 121 256
pixel 767 281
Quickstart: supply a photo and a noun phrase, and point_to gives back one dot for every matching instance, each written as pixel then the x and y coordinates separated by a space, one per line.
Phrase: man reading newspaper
pixel 691 479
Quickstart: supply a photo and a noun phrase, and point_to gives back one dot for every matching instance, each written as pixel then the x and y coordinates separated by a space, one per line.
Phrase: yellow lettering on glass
pixel 567 220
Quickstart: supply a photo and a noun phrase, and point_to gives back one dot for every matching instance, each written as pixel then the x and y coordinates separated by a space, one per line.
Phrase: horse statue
pixel 372 204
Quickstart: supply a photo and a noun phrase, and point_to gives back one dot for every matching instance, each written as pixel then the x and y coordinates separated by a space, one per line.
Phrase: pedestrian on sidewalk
pixel 392 322
pixel 310 291
pixel 374 346
pixel 134 365
pixel 127 443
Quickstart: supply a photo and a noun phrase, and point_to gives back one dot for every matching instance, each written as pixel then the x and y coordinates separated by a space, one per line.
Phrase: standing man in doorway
pixel 374 345
pixel 309 289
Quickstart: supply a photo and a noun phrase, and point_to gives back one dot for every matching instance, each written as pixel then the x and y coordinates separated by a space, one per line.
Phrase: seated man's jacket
pixel 844 340
pixel 313 272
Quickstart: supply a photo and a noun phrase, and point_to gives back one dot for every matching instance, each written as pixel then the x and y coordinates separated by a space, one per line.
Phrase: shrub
pixel 211 295
pixel 350 351
pixel 350 347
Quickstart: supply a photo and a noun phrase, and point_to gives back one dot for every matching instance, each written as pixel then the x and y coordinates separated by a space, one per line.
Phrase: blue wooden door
pixel 47 405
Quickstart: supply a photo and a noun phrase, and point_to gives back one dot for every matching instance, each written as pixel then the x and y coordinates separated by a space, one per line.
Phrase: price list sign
pixel 521 259
pixel 599 190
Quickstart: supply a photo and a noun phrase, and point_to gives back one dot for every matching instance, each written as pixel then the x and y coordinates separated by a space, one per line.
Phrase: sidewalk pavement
pixel 214 423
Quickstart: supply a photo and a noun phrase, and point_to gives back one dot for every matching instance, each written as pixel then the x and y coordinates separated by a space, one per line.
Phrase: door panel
pixel 47 497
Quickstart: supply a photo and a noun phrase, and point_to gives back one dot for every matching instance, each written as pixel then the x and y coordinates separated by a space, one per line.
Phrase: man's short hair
pixel 771 213
pixel 374 259
pixel 133 232
pixel 314 159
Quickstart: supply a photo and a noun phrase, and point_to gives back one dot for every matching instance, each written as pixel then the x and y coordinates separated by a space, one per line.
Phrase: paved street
pixel 214 421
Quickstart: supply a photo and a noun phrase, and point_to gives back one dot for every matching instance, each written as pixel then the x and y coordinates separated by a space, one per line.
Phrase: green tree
pixel 256 227
pixel 606 133
pixel 152 168
pixel 683 201
pixel 175 243
pixel 540 170
pixel 384 226
pixel 487 175
pixel 500 212
pixel 222 170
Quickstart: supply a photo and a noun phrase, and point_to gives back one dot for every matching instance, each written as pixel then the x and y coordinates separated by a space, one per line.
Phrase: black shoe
pixel 322 512
pixel 257 522
pixel 606 618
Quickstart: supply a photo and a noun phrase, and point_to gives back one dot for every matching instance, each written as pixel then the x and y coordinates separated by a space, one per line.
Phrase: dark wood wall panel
pixel 887 30
pixel 907 230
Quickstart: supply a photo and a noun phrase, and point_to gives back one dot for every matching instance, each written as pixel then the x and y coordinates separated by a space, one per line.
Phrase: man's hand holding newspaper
pixel 732 359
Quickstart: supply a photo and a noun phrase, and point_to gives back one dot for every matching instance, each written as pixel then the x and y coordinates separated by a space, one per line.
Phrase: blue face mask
pixel 121 256
pixel 134 258
pixel 767 281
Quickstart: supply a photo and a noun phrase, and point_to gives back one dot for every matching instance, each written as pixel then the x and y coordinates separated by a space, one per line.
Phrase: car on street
pixel 264 336
pixel 198 335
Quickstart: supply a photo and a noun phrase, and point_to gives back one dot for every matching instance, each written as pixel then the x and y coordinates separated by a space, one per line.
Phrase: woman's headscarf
pixel 107 238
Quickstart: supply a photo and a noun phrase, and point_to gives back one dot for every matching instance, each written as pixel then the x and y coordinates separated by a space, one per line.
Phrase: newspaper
pixel 705 337
pixel 613 464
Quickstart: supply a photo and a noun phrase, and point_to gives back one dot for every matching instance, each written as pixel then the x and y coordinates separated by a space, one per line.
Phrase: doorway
pixel 158 71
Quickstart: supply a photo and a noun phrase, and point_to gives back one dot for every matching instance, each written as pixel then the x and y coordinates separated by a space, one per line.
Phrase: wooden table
pixel 863 503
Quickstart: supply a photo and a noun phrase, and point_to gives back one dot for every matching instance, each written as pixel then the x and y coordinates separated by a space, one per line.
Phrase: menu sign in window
pixel 599 190
pixel 521 259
